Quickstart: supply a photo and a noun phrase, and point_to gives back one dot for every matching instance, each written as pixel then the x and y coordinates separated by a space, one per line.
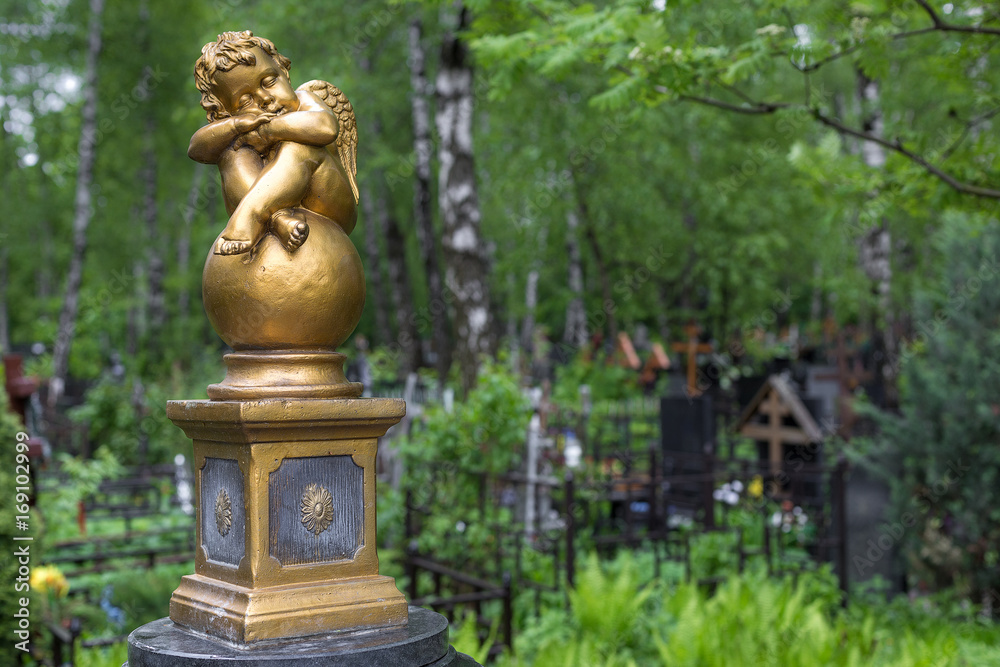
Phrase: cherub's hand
pixel 260 140
pixel 248 123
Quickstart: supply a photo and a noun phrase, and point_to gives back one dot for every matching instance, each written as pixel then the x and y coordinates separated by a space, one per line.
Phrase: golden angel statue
pixel 281 151
pixel 283 276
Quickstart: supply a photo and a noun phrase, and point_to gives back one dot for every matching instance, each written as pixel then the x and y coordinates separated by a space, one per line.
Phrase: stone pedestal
pixel 286 520
pixel 423 642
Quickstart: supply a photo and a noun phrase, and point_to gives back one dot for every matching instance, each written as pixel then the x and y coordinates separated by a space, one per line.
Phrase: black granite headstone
pixel 687 427
pixel 423 642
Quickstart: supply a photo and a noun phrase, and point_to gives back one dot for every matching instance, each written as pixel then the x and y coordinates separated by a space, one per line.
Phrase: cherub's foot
pixel 290 227
pixel 226 246
pixel 239 238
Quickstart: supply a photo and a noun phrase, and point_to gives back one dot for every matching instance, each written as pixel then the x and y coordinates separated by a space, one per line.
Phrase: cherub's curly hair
pixel 230 50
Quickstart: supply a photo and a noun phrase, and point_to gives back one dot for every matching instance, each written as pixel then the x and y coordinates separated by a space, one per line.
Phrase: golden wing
pixel 347 136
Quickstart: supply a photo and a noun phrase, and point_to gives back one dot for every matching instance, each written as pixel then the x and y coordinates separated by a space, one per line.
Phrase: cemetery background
pixel 638 169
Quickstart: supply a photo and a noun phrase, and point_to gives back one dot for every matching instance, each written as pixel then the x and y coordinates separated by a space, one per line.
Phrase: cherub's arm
pixel 209 141
pixel 313 124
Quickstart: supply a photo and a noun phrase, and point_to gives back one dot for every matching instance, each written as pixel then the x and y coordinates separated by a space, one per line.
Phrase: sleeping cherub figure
pixel 279 149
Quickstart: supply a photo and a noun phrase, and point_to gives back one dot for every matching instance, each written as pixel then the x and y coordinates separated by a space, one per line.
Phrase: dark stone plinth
pixel 422 643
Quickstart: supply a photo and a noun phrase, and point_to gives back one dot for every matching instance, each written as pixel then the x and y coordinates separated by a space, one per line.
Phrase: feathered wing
pixel 347 137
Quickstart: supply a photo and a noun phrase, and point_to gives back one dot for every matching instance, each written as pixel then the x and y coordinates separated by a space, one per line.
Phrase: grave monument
pixel 284 451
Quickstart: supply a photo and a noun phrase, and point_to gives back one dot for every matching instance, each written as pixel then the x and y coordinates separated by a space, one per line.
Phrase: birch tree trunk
pixel 575 333
pixel 528 324
pixel 875 248
pixel 82 209
pixel 465 258
pixel 422 201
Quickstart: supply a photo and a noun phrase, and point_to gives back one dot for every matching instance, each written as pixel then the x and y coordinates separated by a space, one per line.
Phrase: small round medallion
pixel 317 509
pixel 223 513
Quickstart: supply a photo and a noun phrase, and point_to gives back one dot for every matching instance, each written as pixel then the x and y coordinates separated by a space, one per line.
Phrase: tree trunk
pixel 184 242
pixel 402 295
pixel 82 209
pixel 875 249
pixel 575 334
pixel 5 241
pixel 590 234
pixel 464 256
pixel 137 318
pixel 154 250
pixel 422 203
pixel 528 325
pixel 4 327
pixel 373 260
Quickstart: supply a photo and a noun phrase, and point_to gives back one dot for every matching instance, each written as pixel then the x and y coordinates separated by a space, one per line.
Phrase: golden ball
pixel 273 299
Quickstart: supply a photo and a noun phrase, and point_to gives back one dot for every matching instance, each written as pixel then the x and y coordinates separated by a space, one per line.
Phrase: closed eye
pixel 270 81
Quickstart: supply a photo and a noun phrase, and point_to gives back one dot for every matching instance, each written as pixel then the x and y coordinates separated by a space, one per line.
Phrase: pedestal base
pixel 423 642
pixel 244 615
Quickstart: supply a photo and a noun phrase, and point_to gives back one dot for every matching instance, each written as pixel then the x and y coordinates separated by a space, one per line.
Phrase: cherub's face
pixel 259 88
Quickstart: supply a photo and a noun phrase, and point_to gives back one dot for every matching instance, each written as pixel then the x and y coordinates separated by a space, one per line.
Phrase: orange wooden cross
pixel 692 348
pixel 629 358
pixel 657 361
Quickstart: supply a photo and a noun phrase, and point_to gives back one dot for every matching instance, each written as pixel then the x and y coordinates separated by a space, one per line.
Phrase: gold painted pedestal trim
pixel 244 615
pixel 262 374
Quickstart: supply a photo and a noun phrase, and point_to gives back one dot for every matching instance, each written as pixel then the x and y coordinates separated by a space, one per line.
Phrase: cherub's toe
pixel 228 247
pixel 299 234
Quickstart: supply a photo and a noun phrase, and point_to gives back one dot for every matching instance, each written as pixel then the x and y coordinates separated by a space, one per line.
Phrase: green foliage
pixel 466 639
pixel 606 609
pixel 449 456
pixel 751 619
pixel 607 381
pixel 939 453
pixel 483 434
pixel 84 478
pixel 102 656
pixel 768 622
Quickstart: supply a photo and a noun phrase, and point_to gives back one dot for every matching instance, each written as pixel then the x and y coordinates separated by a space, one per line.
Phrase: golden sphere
pixel 273 299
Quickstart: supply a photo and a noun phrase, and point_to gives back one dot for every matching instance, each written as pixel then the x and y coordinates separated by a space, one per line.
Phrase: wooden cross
pixel 658 361
pixel 629 358
pixel 775 433
pixel 692 348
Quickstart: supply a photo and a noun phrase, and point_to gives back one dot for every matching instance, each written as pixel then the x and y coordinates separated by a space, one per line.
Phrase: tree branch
pixel 758 108
pixel 971 123
pixel 897 147
pixel 952 27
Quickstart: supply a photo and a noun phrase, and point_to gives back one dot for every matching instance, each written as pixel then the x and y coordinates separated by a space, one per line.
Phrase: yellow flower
pixel 48 578
pixel 756 487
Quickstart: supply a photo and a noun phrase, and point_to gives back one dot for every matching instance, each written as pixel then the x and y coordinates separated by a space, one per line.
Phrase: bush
pixel 940 454
pixel 750 620
pixel 448 454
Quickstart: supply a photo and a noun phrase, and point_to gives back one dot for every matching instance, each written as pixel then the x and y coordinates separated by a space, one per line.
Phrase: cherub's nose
pixel 266 97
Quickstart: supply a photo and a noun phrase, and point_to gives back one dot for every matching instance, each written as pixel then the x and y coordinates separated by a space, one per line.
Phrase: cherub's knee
pixel 297 151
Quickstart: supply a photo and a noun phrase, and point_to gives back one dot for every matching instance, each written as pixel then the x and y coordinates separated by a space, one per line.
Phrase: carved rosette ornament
pixel 223 513
pixel 317 509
